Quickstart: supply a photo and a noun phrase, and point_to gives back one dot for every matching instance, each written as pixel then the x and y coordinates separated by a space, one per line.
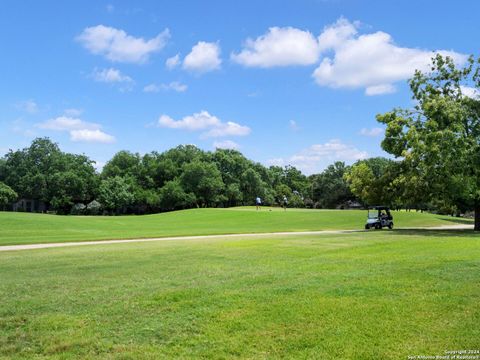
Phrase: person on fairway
pixel 258 202
pixel 285 202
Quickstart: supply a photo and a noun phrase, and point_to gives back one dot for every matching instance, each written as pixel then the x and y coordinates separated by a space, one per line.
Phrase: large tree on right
pixel 438 139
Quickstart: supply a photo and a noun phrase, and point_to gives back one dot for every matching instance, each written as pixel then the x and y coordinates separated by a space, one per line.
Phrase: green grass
pixel 376 295
pixel 24 228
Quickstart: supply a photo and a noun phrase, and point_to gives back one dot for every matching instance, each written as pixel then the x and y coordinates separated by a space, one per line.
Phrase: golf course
pixel 30 228
pixel 276 296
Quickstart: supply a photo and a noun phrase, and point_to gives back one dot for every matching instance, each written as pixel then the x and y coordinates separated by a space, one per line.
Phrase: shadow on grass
pixel 457 220
pixel 437 233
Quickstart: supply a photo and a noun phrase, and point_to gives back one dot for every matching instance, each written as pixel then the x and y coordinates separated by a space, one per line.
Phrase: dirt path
pixel 206 237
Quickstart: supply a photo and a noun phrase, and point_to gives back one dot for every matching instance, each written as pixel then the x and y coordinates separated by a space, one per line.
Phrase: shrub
pixel 93 208
pixel 78 209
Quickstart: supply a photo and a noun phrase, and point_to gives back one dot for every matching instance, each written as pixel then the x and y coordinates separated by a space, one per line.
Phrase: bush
pixel 93 208
pixel 78 209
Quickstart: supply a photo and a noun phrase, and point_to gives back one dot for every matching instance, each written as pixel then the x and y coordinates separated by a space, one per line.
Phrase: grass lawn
pixel 376 295
pixel 25 228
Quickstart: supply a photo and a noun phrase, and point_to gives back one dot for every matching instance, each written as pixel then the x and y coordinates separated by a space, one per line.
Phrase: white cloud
pixel 110 75
pixel 78 129
pixel 336 34
pixel 28 106
pixel 65 123
pixel 470 92
pixel 380 89
pixel 212 125
pixel 172 62
pixel 279 47
pixel 317 157
pixel 151 88
pixel 228 129
pixel 197 121
pixel 373 132
pixel 227 144
pixel 86 135
pixel 204 57
pixel 117 45
pixel 174 85
pixel 371 61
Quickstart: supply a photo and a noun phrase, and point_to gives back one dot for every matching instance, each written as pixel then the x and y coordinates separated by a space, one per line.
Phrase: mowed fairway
pixel 24 228
pixel 376 295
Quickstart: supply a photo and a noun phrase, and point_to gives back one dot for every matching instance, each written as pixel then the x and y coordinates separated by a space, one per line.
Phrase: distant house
pixel 350 204
pixel 29 205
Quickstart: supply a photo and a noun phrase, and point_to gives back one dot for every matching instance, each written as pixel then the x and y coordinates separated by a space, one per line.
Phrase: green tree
pixel 252 186
pixel 329 189
pixel 439 138
pixel 43 172
pixel 115 194
pixel 7 195
pixel 372 181
pixel 173 197
pixel 123 163
pixel 204 180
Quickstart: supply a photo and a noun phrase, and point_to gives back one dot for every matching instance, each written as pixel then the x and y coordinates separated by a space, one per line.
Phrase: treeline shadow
pixel 457 220
pixel 436 232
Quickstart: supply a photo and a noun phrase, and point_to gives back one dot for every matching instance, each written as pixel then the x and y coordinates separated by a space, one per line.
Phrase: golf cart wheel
pixel 390 226
pixel 367 227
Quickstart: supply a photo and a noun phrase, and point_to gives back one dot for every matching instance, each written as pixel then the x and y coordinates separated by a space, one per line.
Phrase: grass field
pixel 25 228
pixel 376 295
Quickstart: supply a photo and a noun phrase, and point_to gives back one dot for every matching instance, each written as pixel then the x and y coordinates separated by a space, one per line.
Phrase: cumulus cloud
pixel 279 47
pixel 203 121
pixel 116 45
pixel 28 106
pixel 86 135
pixel 65 123
pixel 110 75
pixel 380 89
pixel 373 132
pixel 151 88
pixel 172 62
pixel 228 129
pixel 78 129
pixel 317 157
pixel 371 61
pixel 226 144
pixel 174 86
pixel 204 57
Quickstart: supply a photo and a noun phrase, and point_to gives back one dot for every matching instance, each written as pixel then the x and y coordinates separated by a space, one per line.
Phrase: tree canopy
pixel 438 139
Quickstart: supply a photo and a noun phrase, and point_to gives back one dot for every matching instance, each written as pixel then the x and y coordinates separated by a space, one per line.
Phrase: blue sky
pixel 285 82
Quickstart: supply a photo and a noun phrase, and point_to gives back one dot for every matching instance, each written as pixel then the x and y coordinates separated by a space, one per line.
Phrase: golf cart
pixel 379 217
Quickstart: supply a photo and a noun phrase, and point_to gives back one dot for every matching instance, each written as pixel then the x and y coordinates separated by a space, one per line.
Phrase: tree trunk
pixel 477 215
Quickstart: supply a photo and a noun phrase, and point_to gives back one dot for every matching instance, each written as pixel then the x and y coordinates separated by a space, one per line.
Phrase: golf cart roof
pixel 379 208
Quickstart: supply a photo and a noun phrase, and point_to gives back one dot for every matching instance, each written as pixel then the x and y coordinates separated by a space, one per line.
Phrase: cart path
pixel 208 237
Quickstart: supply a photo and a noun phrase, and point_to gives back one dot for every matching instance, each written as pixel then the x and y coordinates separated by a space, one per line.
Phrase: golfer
pixel 258 202
pixel 285 202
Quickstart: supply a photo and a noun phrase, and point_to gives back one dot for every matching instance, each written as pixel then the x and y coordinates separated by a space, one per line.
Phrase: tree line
pixel 180 178
pixel 188 177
